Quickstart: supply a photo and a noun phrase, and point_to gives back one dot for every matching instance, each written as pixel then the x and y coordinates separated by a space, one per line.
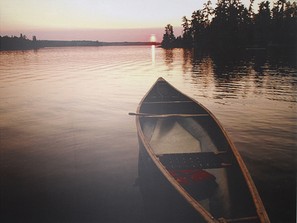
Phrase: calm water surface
pixel 69 151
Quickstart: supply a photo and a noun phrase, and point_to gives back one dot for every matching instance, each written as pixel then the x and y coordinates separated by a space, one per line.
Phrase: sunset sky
pixel 103 20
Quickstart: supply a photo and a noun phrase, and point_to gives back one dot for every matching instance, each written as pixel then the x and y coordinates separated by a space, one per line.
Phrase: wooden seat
pixel 202 160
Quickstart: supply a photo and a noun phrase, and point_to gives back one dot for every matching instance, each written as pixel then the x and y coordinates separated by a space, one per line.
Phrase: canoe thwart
pixel 149 115
pixel 166 102
pixel 202 160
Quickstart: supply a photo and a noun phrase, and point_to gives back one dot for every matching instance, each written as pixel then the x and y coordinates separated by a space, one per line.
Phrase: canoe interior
pixel 195 152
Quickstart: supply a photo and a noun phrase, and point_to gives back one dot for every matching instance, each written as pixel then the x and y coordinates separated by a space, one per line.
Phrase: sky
pixel 102 20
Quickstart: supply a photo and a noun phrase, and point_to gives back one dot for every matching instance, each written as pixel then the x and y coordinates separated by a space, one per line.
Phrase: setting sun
pixel 153 38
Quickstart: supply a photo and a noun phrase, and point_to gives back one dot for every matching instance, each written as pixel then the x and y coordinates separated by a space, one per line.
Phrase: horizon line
pixel 102 35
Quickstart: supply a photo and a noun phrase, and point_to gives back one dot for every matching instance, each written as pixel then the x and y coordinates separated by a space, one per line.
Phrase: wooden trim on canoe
pixel 262 214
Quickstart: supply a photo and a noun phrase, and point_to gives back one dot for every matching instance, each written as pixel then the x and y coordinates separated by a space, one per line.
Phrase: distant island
pixel 231 25
pixel 23 43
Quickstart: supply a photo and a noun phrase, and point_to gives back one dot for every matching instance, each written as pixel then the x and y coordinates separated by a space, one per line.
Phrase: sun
pixel 153 38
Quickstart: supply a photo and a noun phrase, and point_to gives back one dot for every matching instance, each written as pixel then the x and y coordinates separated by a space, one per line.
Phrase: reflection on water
pixel 244 77
pixel 69 151
pixel 153 54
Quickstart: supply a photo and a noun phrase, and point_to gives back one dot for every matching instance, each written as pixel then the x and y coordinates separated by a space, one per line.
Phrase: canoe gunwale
pixel 262 215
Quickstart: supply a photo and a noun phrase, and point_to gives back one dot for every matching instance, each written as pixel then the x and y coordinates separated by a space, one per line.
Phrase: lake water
pixel 69 150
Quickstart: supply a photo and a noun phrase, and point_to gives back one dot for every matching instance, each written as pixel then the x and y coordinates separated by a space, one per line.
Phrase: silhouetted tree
pixel 168 37
pixel 199 29
pixel 187 39
pixel 230 24
pixel 262 25
pixel 284 22
pixel 207 12
pixel 201 21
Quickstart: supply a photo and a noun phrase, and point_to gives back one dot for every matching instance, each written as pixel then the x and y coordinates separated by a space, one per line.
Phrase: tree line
pixel 23 43
pixel 231 25
pixel 17 43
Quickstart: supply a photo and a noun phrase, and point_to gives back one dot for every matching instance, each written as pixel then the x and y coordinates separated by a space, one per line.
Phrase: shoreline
pixel 14 44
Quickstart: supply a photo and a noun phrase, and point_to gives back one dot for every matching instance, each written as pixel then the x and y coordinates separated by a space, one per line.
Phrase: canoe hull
pixel 191 153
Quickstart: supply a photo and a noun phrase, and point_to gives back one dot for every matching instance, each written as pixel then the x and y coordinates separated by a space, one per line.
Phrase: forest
pixel 231 25
pixel 15 43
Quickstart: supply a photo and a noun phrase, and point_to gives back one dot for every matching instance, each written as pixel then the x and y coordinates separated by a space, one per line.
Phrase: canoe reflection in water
pixel 189 170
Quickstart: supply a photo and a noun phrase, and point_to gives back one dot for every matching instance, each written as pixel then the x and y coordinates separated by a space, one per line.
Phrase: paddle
pixel 149 115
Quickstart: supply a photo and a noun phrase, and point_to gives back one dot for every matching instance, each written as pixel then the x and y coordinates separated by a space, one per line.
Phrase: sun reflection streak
pixel 153 52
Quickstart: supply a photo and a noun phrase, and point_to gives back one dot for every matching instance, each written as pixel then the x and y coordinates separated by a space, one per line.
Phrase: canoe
pixel 194 155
